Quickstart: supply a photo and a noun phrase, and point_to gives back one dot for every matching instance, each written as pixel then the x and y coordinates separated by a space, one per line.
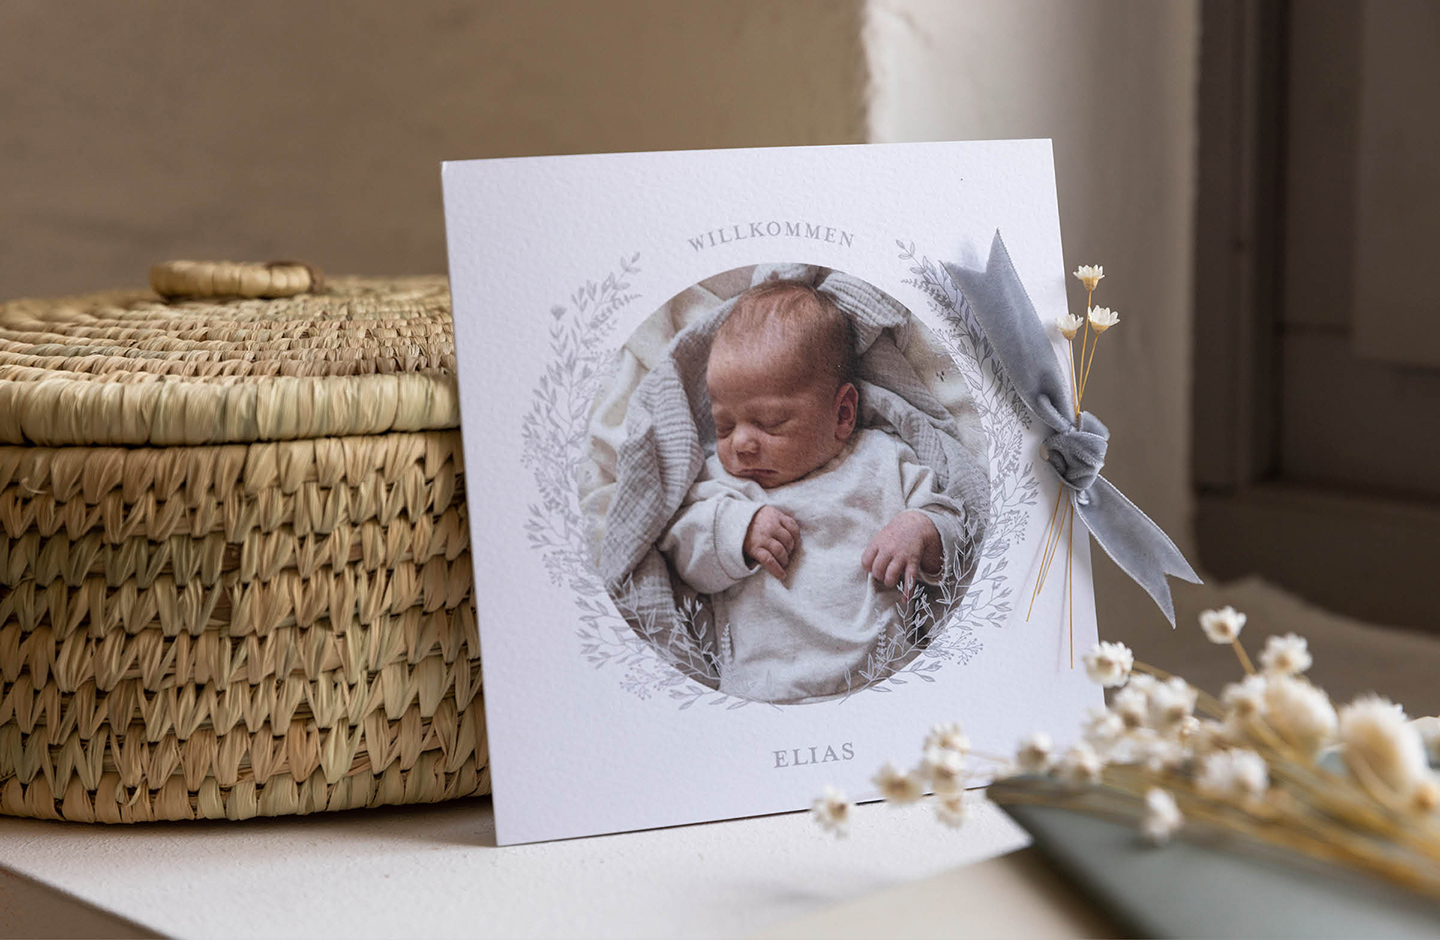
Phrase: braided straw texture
pixel 260 604
pixel 175 279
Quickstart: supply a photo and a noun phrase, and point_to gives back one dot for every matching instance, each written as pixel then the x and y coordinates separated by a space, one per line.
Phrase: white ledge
pixel 435 871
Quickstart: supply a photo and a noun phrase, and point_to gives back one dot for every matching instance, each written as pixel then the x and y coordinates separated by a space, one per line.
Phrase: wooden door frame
pixel 1353 552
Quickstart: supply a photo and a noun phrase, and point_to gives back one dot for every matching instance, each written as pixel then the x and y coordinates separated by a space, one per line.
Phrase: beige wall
pixel 1112 82
pixel 133 132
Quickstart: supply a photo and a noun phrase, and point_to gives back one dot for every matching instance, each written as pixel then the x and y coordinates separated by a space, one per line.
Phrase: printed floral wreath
pixel 555 433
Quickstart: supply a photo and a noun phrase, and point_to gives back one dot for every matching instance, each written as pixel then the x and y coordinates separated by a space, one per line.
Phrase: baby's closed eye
pixel 770 420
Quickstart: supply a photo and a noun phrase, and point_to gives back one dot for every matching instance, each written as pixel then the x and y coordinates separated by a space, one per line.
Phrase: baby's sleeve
pixel 918 484
pixel 706 539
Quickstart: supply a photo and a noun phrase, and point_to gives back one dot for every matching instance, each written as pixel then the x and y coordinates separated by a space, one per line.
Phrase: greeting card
pixel 760 473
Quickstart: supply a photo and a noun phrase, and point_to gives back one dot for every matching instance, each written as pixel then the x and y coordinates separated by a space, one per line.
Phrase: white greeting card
pixel 753 503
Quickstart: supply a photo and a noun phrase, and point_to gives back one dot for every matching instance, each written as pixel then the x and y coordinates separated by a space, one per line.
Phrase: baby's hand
pixel 771 539
pixel 907 545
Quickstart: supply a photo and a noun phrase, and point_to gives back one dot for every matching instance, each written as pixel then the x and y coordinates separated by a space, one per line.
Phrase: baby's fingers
pixel 879 562
pixel 785 536
pixel 778 551
pixel 769 562
pixel 894 571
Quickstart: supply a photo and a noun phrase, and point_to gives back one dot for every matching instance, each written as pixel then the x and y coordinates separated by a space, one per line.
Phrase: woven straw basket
pixel 234 558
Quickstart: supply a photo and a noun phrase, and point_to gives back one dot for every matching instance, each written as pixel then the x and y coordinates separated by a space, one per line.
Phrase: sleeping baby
pixel 804 528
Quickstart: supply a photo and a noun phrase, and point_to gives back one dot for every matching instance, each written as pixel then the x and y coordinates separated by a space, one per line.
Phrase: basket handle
pixel 178 279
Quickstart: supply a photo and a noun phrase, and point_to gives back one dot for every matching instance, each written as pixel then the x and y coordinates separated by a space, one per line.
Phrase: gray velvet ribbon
pixel 1077 448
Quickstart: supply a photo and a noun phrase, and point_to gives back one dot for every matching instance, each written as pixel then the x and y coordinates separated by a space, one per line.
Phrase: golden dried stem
pixel 1040 575
pixel 1052 541
pixel 1085 378
pixel 1070 350
pixel 1084 341
pixel 1243 656
pixel 1070 585
pixel 1055 543
pixel 1212 705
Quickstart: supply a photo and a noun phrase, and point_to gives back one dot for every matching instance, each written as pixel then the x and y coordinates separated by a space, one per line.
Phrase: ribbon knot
pixel 1078 453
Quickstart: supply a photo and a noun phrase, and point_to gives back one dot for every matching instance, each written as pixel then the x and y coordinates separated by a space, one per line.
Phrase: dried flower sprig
pixel 832 812
pixel 945 769
pixel 898 786
pixel 1271 760
pixel 1096 321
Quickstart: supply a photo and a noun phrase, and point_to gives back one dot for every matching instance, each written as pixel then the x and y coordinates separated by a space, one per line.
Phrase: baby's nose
pixel 746 442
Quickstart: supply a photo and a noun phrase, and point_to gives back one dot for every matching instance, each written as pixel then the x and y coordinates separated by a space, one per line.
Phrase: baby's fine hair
pixel 795 312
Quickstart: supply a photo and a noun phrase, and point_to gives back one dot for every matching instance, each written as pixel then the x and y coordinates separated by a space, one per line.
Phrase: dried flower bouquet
pixel 1268 761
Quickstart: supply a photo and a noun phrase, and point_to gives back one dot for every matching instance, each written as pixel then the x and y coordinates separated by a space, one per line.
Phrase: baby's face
pixel 775 420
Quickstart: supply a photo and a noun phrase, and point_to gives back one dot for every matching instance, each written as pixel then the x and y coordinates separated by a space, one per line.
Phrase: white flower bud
pixel 1109 664
pixel 1162 817
pixel 1223 625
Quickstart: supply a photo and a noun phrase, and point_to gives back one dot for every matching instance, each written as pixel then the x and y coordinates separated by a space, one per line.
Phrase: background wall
pixel 146 130
pixel 1112 82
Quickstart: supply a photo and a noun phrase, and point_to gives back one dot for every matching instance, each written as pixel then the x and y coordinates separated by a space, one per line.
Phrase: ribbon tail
pixel 1135 543
pixel 1005 313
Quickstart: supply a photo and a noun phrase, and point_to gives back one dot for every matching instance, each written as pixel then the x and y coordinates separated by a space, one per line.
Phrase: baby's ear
pixel 847 411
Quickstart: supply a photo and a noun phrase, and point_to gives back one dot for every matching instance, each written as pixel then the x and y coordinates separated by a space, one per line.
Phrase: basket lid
pixel 360 356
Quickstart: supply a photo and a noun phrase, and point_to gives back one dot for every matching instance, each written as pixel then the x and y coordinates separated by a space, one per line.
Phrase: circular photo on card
pixel 785 486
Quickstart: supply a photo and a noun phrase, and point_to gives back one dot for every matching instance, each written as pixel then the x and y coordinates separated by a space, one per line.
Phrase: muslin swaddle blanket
pixel 668 433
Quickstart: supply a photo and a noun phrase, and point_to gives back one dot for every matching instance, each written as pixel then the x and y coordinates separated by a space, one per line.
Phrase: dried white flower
pixel 1223 625
pixel 1165 754
pixel 1103 729
pixel 1102 318
pixel 1287 655
pixel 1245 698
pixel 1143 682
pixel 1151 748
pixel 1377 738
pixel 1300 713
pixel 944 768
pixel 950 810
pixel 897 786
pixel 1209 736
pixel 1081 765
pixel 1090 275
pixel 1131 706
pixel 1035 753
pixel 1109 664
pixel 1171 702
pixel 1234 772
pixel 949 737
pixel 832 812
pixel 1429 729
pixel 1162 817
pixel 1069 325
